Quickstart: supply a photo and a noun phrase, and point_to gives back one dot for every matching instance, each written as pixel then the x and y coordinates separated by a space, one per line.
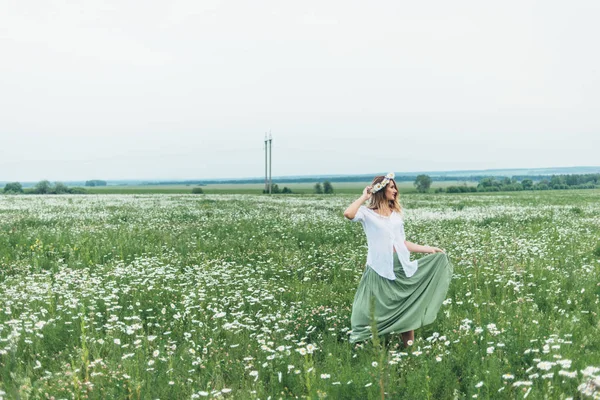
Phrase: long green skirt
pixel 403 304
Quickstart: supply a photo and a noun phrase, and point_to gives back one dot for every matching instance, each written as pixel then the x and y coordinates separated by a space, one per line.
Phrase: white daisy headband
pixel 378 186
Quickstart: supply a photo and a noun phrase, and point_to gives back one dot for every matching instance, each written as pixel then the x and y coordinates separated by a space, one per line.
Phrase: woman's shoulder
pixel 375 213
pixel 398 216
pixel 368 212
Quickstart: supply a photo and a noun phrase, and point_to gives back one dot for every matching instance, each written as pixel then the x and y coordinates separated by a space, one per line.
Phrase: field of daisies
pixel 244 297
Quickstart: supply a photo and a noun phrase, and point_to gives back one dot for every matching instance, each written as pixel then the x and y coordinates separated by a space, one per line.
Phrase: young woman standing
pixel 406 294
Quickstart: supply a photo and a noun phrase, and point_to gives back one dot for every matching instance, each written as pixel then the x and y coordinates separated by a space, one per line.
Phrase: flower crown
pixel 378 186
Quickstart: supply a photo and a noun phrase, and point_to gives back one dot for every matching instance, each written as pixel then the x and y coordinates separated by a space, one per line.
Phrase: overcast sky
pixel 186 89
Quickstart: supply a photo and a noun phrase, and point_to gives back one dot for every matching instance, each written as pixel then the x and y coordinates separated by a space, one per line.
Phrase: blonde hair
pixel 378 198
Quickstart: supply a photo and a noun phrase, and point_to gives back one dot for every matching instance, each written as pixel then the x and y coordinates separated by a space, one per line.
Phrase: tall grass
pixel 249 296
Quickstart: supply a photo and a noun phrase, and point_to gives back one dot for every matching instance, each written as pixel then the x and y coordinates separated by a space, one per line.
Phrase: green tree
pixel 13 187
pixel 77 190
pixel 42 187
pixel 318 188
pixel 274 189
pixel 572 180
pixel 488 183
pixel 327 187
pixel 527 184
pixel 423 183
pixel 557 180
pixel 59 188
pixel 197 190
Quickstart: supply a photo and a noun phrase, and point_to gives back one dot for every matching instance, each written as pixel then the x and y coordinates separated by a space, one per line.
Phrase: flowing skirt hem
pixel 403 304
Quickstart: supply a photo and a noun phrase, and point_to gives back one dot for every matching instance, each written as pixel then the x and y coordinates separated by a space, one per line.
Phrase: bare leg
pixel 408 336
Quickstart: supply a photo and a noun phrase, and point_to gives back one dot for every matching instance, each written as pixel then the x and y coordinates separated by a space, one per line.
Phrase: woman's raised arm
pixel 350 212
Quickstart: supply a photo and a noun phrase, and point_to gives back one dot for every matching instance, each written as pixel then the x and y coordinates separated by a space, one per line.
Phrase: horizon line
pixel 438 172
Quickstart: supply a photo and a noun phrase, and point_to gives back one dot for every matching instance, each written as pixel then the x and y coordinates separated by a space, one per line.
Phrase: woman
pixel 405 294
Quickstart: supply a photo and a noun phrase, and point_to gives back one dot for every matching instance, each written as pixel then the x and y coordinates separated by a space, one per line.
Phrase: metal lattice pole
pixel 266 163
pixel 270 164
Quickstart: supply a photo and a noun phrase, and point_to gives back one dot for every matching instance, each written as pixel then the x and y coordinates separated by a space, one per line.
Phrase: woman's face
pixel 390 191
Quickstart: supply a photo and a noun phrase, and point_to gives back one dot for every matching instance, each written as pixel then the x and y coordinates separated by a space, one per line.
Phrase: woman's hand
pixel 417 248
pixel 367 192
pixel 433 250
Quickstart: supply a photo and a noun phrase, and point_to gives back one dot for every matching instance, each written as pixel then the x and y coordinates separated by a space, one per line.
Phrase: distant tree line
pixel 568 179
pixel 555 182
pixel 95 182
pixel 456 189
pixel 276 190
pixel 42 187
pixel 364 178
pixel 350 178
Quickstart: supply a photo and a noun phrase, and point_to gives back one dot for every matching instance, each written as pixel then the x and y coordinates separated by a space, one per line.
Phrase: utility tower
pixel 268 161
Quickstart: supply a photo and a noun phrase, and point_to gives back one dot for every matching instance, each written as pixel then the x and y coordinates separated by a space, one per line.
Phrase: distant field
pixel 255 188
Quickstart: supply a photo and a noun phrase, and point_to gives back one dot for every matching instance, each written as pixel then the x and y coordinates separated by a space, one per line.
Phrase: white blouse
pixel 383 235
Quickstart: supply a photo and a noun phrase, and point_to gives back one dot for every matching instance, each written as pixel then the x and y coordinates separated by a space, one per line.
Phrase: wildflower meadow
pixel 158 296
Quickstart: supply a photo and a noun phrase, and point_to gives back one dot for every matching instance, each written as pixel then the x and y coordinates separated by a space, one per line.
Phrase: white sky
pixel 186 89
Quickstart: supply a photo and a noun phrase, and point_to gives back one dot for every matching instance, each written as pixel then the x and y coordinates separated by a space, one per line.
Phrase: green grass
pixel 178 296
